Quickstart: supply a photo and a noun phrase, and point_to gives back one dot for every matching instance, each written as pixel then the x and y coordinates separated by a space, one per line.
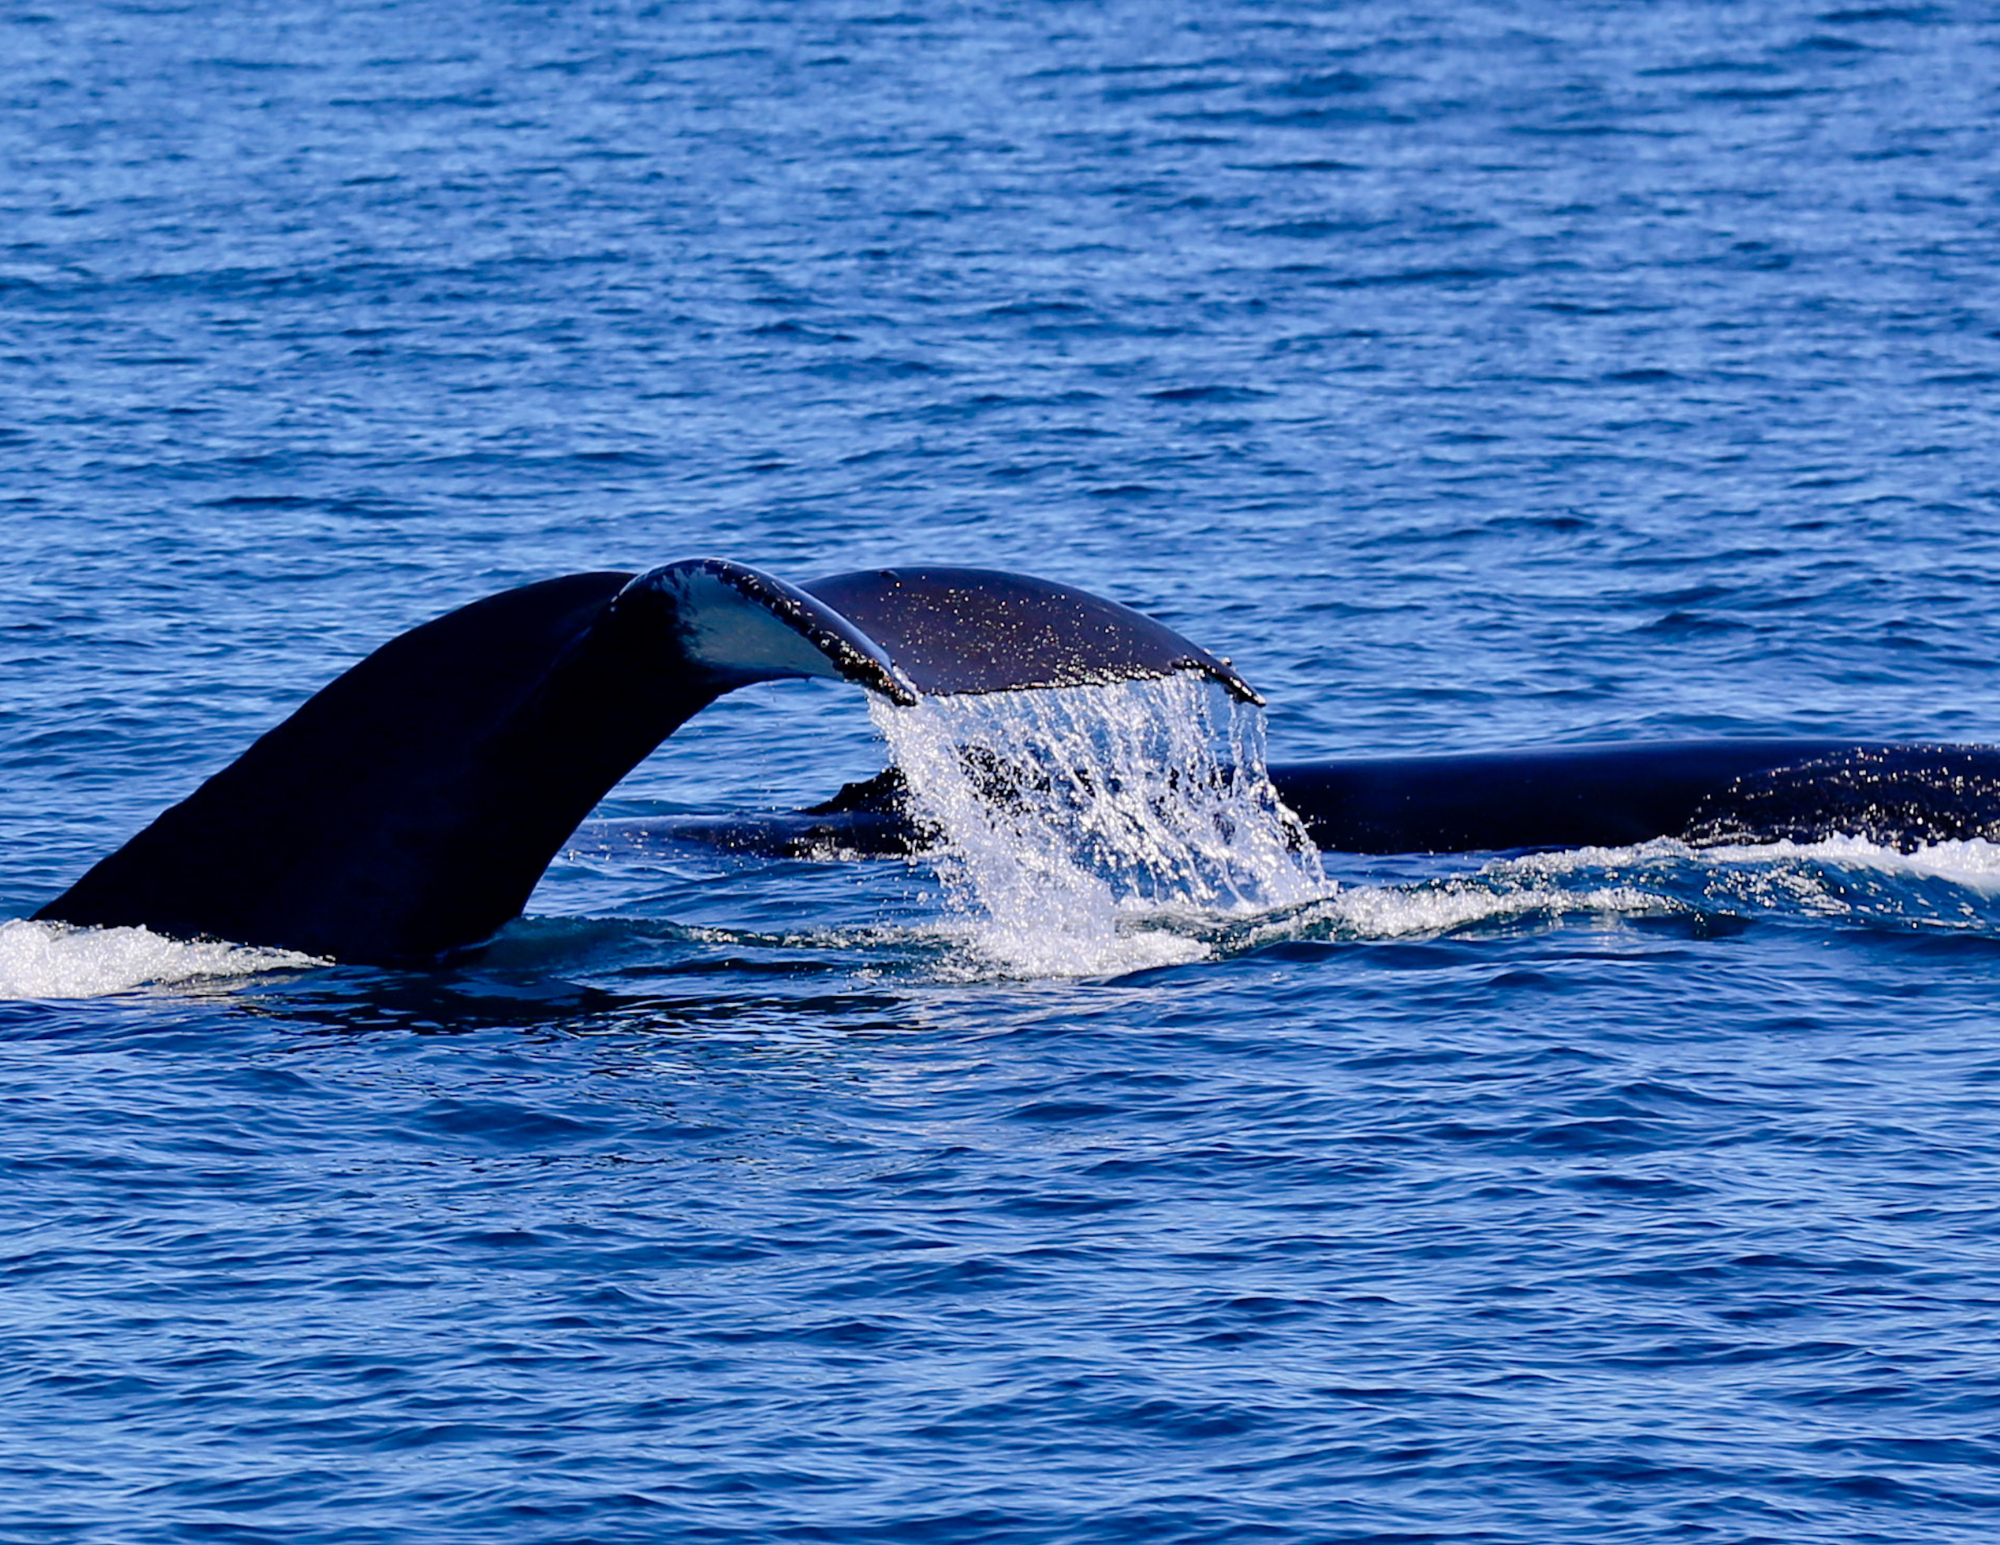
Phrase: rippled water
pixel 1474 377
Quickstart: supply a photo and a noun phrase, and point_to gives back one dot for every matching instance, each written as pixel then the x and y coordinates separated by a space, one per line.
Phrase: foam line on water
pixel 1950 885
pixel 1399 912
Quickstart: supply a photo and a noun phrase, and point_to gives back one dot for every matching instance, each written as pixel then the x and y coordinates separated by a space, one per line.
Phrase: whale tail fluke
pixel 409 807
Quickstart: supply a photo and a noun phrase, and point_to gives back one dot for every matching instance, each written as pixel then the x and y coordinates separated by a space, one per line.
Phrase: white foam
pixel 1848 878
pixel 1086 829
pixel 1399 912
pixel 1975 862
pixel 55 960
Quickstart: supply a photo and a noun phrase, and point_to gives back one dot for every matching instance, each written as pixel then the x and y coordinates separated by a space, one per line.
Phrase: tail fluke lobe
pixel 954 631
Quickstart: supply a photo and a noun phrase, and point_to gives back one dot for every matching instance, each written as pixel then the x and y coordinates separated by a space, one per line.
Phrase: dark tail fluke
pixel 410 806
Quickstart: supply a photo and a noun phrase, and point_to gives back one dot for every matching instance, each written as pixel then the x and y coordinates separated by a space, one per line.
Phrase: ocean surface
pixel 1474 376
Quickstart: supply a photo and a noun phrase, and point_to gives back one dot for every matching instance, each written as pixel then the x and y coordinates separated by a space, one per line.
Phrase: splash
pixel 55 960
pixel 1087 829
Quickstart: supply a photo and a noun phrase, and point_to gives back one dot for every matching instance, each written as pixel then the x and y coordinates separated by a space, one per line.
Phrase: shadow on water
pixel 496 989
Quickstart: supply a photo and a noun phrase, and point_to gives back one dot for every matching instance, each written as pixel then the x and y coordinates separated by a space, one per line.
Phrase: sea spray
pixel 1072 817
pixel 55 960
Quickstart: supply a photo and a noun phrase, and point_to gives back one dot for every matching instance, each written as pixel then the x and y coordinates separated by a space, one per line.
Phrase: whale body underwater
pixel 408 808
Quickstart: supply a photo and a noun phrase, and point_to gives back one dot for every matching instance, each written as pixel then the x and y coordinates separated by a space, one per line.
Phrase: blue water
pixel 1475 376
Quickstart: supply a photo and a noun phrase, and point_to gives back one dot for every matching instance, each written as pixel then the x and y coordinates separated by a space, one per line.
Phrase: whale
pixel 405 811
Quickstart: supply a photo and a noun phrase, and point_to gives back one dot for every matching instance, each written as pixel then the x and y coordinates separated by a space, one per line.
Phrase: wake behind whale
pixel 407 810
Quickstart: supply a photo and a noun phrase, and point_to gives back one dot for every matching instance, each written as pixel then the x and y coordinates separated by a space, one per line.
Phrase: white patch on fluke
pixel 56 960
pixel 1080 823
pixel 728 632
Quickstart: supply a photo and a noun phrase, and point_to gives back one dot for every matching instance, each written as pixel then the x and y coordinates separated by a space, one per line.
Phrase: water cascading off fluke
pixel 1069 820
